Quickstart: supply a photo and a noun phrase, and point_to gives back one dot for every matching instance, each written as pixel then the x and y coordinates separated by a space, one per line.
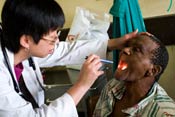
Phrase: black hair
pixel 29 17
pixel 160 55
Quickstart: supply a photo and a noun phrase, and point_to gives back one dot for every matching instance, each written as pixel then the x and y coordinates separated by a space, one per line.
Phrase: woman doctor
pixel 29 32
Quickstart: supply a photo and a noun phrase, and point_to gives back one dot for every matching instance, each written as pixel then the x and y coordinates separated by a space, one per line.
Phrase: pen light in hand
pixel 104 61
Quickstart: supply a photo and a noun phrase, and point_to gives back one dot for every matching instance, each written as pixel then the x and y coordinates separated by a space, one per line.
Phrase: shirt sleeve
pixel 67 53
pixel 64 106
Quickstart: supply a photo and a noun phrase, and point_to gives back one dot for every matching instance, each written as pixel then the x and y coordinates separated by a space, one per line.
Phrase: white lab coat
pixel 74 53
pixel 13 105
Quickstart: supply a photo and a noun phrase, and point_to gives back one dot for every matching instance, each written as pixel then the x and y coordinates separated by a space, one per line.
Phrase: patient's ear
pixel 154 71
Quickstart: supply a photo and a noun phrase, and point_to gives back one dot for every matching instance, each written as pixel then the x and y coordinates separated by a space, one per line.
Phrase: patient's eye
pixel 136 49
pixel 127 44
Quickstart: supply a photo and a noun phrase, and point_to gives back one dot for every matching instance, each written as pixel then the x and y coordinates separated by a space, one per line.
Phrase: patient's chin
pixel 120 74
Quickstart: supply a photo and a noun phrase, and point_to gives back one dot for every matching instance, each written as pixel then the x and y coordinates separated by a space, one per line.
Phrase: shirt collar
pixel 138 108
pixel 118 92
pixel 18 70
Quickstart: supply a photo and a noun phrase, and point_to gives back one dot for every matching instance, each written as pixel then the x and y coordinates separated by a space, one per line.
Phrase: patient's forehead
pixel 141 36
pixel 141 39
pixel 144 41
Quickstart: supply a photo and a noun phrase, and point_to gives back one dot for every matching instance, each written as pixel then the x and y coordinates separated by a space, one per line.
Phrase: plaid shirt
pixel 156 104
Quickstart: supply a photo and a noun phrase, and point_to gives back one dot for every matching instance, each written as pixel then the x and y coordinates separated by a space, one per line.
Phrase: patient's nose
pixel 127 50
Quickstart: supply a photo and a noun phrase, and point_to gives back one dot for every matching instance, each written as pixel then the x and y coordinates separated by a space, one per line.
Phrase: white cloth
pixel 88 25
pixel 13 105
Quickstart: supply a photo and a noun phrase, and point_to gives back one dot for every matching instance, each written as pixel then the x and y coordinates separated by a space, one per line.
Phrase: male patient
pixel 135 91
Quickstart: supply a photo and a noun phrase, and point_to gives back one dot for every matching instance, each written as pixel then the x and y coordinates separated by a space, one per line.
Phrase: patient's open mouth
pixel 122 65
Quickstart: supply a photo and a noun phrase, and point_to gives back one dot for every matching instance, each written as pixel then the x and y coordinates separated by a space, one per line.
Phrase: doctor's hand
pixel 72 38
pixel 119 43
pixel 88 74
pixel 90 70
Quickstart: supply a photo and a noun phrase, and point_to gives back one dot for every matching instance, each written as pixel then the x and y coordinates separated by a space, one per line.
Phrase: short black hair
pixel 160 55
pixel 30 17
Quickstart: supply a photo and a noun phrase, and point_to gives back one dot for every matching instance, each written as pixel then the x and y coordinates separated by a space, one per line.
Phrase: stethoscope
pixel 31 63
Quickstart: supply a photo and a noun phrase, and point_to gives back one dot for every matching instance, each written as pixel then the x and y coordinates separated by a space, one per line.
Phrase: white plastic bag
pixel 89 25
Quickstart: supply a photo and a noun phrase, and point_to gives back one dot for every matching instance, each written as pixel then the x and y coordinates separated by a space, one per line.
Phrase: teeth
pixel 124 67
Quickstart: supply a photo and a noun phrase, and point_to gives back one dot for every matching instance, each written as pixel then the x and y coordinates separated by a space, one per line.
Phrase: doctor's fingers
pixel 92 66
pixel 90 72
pixel 146 33
pixel 92 58
pixel 130 35
pixel 119 43
pixel 93 61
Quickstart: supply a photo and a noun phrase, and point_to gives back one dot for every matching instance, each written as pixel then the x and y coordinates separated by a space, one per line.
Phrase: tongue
pixel 122 65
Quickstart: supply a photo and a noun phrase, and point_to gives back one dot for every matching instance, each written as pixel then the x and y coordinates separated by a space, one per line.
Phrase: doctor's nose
pixel 57 41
